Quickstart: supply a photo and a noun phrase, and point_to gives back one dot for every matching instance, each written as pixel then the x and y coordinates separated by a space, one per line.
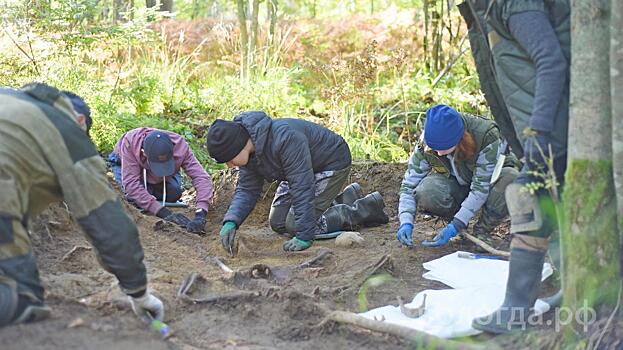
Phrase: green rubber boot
pixel 522 288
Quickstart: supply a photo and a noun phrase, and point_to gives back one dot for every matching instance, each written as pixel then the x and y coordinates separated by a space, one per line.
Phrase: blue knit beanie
pixel 443 128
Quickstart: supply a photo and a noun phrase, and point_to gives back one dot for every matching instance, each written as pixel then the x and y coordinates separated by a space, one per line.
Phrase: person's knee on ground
pixel 433 196
pixel 290 224
pixel 173 187
pixel 367 211
pixel 494 211
pixel 349 195
pixel 277 218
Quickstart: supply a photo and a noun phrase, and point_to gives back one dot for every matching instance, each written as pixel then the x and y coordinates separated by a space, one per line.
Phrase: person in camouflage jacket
pixel 450 175
pixel 46 156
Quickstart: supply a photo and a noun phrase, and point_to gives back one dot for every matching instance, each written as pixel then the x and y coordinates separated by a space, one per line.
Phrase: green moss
pixel 590 236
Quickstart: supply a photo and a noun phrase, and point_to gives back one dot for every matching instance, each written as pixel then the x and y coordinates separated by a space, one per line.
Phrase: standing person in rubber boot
pixel 147 163
pixel 46 156
pixel 450 176
pixel 528 43
pixel 313 165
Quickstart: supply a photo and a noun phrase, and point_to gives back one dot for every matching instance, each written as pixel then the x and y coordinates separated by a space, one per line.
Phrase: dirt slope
pixel 90 312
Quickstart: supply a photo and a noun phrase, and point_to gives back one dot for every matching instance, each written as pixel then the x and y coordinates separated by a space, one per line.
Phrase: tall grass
pixel 139 74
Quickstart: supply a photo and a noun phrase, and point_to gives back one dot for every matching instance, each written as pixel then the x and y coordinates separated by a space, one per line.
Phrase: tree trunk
pixel 254 32
pixel 269 50
pixel 121 6
pixel 166 6
pixel 244 39
pixel 616 91
pixel 589 235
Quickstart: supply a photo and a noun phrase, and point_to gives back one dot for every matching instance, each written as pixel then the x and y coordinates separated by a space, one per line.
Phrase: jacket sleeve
pixel 417 169
pixel 481 182
pixel 200 179
pixel 132 181
pixel 248 190
pixel 535 34
pixel 297 167
pixel 110 230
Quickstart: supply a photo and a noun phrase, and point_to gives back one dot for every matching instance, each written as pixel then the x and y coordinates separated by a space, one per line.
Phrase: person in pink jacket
pixel 147 162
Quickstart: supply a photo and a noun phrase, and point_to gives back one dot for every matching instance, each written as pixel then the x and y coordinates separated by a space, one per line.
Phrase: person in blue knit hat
pixel 451 175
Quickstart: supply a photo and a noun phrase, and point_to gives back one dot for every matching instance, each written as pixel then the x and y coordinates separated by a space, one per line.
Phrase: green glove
pixel 295 245
pixel 228 237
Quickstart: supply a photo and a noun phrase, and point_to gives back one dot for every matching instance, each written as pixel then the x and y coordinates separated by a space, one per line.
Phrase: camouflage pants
pixel 442 196
pixel 328 184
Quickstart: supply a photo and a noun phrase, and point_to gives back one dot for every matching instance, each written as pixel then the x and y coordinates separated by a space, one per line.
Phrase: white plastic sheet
pixel 479 284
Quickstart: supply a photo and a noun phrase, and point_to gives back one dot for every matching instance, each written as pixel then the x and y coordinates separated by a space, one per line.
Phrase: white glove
pixel 147 304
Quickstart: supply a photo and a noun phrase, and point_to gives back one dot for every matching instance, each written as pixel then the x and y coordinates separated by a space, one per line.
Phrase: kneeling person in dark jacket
pixel 312 163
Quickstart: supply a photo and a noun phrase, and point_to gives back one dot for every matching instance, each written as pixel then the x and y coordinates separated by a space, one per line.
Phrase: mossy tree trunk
pixel 616 91
pixel 589 235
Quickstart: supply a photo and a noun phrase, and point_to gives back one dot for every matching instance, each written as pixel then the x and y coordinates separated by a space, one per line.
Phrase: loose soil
pixel 89 311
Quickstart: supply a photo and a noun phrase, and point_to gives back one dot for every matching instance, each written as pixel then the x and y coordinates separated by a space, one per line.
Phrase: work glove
pixel 296 244
pixel 404 234
pixel 228 237
pixel 147 306
pixel 176 218
pixel 197 224
pixel 443 237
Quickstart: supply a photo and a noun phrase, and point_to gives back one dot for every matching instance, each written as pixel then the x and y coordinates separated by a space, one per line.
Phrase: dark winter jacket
pixel 515 66
pixel 290 150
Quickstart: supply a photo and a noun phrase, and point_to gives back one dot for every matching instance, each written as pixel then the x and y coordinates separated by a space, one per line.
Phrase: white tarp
pixel 479 284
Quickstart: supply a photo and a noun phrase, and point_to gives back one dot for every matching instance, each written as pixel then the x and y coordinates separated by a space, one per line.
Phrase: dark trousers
pixel 328 184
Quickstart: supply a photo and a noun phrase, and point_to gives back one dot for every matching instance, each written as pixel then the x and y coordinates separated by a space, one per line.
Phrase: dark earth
pixel 278 306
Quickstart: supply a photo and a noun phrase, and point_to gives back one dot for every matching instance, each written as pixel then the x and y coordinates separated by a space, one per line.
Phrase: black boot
pixel 366 211
pixel 350 194
pixel 522 288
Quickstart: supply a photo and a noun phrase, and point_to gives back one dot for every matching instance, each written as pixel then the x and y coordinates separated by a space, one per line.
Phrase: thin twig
pixel 451 63
pixel 32 60
pixel 485 246
pixel 427 340
pixel 74 250
pixel 614 312
pixel 324 253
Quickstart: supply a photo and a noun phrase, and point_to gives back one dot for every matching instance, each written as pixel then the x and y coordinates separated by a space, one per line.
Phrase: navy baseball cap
pixel 158 148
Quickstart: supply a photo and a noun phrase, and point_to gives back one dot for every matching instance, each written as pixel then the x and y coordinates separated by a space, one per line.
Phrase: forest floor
pixel 281 311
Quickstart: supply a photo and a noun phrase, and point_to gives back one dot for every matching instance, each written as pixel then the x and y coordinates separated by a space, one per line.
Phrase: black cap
pixel 158 148
pixel 225 140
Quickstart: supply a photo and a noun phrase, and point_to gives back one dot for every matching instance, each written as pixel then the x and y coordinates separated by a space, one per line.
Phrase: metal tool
pixel 466 255
pixel 158 326
pixel 500 163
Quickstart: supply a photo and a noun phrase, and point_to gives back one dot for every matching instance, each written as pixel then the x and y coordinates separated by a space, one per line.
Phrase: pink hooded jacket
pixel 129 147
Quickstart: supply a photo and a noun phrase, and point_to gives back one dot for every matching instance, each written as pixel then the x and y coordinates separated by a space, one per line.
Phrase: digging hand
pixel 197 224
pixel 404 234
pixel 443 237
pixel 296 244
pixel 176 218
pixel 228 236
pixel 147 306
